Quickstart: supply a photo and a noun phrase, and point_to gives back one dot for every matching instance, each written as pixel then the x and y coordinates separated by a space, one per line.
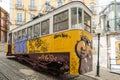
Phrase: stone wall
pixel 3 47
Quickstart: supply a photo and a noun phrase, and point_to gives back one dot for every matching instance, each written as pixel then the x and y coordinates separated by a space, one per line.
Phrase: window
pixel 80 15
pixel 15 36
pixel 29 32
pixel 32 16
pixel 19 4
pixel 32 4
pixel 92 6
pixel 45 27
pixel 73 17
pixel 24 33
pixel 19 35
pixel 19 17
pixel 61 21
pixel 37 30
pixel 87 22
pixel 59 3
pixel 10 38
pixel 47 6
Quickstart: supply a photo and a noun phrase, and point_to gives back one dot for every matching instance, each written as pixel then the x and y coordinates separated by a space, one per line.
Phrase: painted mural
pixel 21 45
pixel 84 52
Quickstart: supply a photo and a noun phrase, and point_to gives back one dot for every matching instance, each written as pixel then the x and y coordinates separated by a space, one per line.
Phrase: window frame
pixel 48 26
pixel 19 35
pixel 86 25
pixel 25 32
pixel 32 16
pixel 39 29
pixel 29 36
pixel 19 17
pixel 67 19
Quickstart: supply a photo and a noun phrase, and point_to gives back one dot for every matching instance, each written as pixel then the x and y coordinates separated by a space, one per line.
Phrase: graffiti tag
pixel 61 35
pixel 48 58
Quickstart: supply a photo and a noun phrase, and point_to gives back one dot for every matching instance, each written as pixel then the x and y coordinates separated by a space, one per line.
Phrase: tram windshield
pixel 79 22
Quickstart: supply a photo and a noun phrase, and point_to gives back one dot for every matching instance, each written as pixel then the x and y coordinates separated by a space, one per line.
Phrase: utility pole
pixel 115 23
pixel 98 64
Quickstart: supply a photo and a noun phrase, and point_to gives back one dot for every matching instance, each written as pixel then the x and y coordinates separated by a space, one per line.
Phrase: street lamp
pixel 98 31
pixel 98 65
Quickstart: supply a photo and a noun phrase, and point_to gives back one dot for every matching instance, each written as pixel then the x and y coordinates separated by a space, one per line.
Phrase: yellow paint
pixel 13 49
pixel 59 42
pixel 117 52
pixel 26 6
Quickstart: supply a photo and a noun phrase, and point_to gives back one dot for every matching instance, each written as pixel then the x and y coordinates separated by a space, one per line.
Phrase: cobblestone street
pixel 11 69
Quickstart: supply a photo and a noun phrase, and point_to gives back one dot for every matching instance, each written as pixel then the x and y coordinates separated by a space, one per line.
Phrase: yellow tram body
pixel 59 42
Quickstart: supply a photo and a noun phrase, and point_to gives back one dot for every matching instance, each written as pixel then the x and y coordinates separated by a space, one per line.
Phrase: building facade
pixel 23 11
pixel 4 24
pixel 110 24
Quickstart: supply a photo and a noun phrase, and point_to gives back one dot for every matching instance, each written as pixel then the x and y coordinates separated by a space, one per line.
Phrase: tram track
pixel 3 77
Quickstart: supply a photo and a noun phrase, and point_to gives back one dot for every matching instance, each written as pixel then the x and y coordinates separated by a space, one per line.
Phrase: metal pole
pixel 98 65
pixel 115 15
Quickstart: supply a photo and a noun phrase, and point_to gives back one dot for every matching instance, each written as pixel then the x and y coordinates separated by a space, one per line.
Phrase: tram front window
pixel 74 17
pixel 87 22
pixel 80 15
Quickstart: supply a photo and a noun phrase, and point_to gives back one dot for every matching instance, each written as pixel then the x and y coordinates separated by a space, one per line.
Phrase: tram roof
pixel 70 3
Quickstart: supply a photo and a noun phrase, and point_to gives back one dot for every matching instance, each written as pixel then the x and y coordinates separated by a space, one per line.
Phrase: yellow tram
pixel 59 41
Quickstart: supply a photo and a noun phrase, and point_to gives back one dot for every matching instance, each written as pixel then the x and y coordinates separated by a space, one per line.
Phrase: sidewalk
pixel 104 74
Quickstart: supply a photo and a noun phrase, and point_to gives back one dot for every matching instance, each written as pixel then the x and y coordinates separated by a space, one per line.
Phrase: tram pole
pixel 98 65
pixel 115 22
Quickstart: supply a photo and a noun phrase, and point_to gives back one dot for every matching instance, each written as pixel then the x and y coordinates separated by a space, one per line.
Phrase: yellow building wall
pixel 117 52
pixel 25 11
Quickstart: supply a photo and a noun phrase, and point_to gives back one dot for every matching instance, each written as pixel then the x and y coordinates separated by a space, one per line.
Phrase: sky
pixel 101 4
pixel 5 5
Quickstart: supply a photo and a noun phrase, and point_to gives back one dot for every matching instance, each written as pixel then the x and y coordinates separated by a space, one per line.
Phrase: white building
pixel 111 30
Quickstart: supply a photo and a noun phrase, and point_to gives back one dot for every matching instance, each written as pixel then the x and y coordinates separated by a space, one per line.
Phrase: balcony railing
pixel 32 7
pixel 19 6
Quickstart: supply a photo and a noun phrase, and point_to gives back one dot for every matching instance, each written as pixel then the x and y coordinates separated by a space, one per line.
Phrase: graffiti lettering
pixel 62 35
pixel 48 58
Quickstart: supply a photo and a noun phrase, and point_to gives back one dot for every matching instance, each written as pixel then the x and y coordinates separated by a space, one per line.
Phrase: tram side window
pixel 87 21
pixel 61 21
pixel 24 33
pixel 15 36
pixel 19 34
pixel 45 27
pixel 37 30
pixel 80 15
pixel 29 32
pixel 73 17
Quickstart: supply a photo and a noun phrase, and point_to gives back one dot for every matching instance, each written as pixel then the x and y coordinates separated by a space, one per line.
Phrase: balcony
pixel 18 22
pixel 32 7
pixel 19 6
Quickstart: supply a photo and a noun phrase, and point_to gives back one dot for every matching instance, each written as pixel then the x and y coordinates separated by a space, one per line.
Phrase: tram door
pixel 9 44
